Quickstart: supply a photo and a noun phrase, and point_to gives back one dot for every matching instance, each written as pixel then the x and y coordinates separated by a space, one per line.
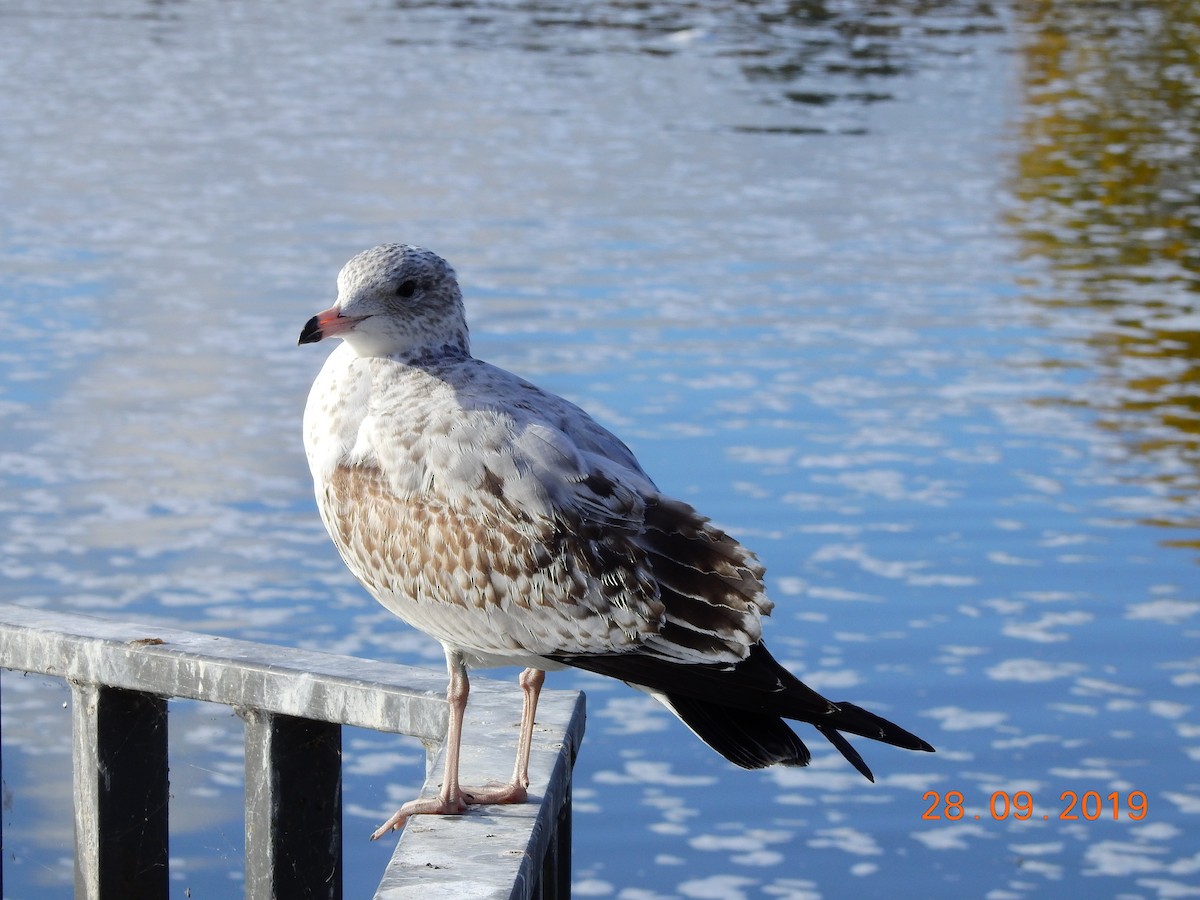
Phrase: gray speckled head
pixel 402 301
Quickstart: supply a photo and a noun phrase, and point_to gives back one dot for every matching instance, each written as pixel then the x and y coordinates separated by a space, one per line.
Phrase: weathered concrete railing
pixel 294 703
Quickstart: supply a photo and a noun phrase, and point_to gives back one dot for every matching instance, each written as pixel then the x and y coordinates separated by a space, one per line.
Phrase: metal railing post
pixel 293 807
pixel 120 763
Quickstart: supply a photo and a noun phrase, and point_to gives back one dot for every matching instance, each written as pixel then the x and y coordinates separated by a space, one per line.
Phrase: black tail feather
pixel 844 747
pixel 739 710
pixel 756 683
pixel 857 720
pixel 747 739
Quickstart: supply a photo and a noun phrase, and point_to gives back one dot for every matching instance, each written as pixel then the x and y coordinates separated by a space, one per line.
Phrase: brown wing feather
pixel 540 585
pixel 611 573
pixel 710 586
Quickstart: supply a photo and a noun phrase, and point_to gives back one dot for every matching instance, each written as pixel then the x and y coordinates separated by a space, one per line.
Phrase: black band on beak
pixel 311 333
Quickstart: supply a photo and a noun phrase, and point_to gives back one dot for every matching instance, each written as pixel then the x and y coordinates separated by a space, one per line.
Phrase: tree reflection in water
pixel 1108 191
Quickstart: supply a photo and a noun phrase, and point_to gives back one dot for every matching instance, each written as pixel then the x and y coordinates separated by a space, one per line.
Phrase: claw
pixel 431 806
pixel 443 806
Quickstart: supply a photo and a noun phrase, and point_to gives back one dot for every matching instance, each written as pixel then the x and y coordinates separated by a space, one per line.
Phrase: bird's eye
pixel 406 289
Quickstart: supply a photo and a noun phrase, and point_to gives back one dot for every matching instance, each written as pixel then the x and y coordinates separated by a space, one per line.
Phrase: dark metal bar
pixel 293 807
pixel 121 827
pixel 562 851
pixel 545 888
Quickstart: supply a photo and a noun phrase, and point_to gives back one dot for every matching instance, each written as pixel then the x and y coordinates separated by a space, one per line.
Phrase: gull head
pixel 395 300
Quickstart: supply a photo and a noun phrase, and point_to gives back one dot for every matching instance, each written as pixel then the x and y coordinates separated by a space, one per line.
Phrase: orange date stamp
pixel 1073 806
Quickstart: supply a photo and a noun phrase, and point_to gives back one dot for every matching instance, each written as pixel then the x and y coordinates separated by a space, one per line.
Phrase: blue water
pixel 903 295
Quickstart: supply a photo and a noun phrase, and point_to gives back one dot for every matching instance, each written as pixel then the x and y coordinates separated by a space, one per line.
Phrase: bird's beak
pixel 328 323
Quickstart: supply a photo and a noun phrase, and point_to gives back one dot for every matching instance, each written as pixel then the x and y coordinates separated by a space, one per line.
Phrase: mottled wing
pixel 502 519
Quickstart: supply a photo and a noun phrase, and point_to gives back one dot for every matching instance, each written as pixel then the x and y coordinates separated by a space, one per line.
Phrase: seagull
pixel 506 523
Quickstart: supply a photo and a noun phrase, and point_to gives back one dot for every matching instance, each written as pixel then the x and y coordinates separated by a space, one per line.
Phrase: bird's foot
pixel 453 805
pixel 513 792
pixel 429 806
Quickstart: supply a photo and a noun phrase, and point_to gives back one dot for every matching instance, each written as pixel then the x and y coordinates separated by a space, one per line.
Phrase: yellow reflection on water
pixel 1107 185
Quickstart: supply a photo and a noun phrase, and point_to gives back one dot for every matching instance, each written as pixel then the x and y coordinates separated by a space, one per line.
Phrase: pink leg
pixel 515 791
pixel 450 800
pixel 453 799
pixel 531 682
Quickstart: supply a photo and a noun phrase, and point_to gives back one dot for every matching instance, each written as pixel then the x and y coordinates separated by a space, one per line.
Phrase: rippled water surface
pixel 902 294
